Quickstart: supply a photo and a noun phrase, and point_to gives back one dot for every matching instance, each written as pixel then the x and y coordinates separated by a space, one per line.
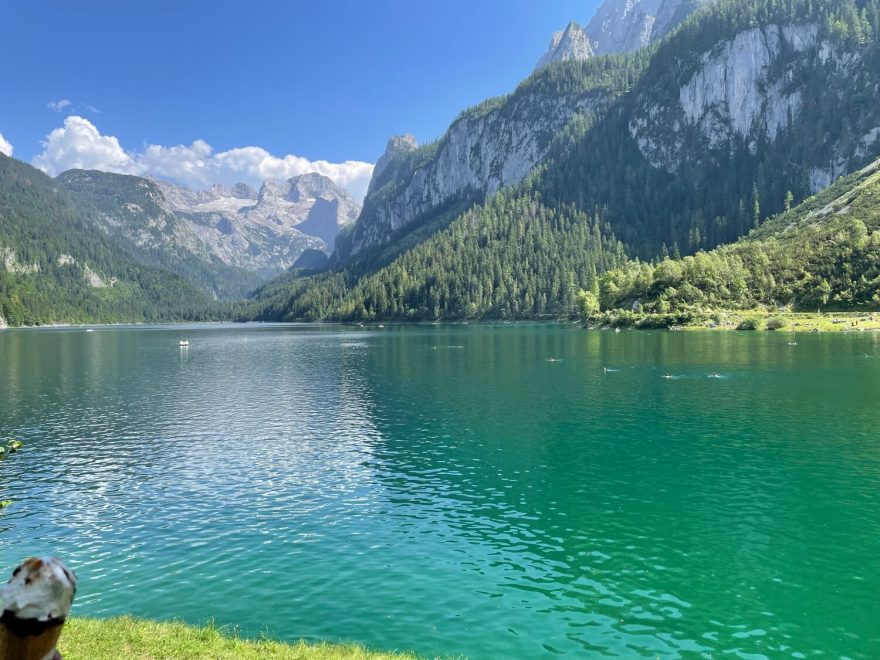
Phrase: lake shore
pixel 744 320
pixel 127 637
pixel 758 319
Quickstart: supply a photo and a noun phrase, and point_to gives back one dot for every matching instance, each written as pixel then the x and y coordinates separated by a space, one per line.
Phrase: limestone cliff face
pixel 701 103
pixel 569 44
pixel 620 26
pixel 744 92
pixel 482 152
pixel 398 146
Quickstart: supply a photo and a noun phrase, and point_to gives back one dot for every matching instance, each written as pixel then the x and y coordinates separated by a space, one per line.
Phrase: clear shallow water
pixel 472 498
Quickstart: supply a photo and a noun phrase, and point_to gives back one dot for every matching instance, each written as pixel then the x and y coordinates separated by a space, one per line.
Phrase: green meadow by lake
pixel 449 490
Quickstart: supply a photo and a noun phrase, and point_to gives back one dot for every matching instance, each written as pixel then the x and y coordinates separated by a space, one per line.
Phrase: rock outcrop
pixel 264 231
pixel 746 91
pixel 569 44
pixel 620 26
pixel 483 151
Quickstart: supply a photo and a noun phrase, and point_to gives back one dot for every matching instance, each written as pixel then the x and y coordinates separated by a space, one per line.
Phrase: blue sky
pixel 325 80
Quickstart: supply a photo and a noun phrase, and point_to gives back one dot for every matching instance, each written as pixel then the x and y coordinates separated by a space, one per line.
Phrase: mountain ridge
pixel 57 264
pixel 709 187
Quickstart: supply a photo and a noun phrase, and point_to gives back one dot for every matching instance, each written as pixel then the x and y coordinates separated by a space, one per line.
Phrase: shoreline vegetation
pixel 753 319
pixel 138 639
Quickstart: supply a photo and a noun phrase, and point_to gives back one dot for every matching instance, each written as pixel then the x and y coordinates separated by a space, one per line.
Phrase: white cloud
pixel 79 144
pixel 5 146
pixel 58 105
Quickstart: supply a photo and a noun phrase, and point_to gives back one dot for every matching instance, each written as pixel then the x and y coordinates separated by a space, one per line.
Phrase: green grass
pixel 747 319
pixel 126 637
pixel 793 321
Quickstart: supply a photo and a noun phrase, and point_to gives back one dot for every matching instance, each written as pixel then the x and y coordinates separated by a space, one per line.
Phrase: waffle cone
pixel 29 647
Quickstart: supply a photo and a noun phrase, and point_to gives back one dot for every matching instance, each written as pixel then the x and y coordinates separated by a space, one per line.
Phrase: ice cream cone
pixel 35 603
pixel 17 644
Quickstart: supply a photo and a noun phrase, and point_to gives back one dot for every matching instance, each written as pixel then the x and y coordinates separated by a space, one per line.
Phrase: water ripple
pixel 468 498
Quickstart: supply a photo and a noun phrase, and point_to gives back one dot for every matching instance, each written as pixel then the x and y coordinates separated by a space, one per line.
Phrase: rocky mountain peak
pixel 622 25
pixel 572 43
pixel 397 145
pixel 303 188
pixel 619 26
pixel 401 143
pixel 243 191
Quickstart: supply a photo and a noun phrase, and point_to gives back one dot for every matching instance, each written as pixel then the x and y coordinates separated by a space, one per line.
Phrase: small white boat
pixel 90 329
pixel 183 343
pixel 616 329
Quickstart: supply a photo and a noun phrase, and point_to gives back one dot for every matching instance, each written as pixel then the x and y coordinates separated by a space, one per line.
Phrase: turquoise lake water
pixel 448 490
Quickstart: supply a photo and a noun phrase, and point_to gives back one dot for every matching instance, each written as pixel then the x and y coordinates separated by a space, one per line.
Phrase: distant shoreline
pixel 749 321
pixel 727 320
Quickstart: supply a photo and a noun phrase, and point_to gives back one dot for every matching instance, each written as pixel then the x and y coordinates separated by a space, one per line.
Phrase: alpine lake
pixel 489 491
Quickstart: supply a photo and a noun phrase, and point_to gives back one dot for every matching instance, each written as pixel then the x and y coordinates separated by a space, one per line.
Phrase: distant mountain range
pixel 264 231
pixel 242 235
pixel 724 114
pixel 663 129
pixel 220 243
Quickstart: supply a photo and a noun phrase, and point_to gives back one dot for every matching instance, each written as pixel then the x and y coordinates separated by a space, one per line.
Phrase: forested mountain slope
pixel 824 253
pixel 744 103
pixel 57 266
pixel 744 109
pixel 510 258
pixel 488 147
pixel 683 143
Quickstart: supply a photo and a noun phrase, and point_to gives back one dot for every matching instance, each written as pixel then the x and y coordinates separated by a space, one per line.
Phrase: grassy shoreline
pixel 127 637
pixel 843 321
pixel 756 320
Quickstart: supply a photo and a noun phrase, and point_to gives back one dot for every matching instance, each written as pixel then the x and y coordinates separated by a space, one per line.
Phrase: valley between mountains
pixel 669 160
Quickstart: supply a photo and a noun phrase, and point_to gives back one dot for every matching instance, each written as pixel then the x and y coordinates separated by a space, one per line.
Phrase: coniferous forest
pixel 628 206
